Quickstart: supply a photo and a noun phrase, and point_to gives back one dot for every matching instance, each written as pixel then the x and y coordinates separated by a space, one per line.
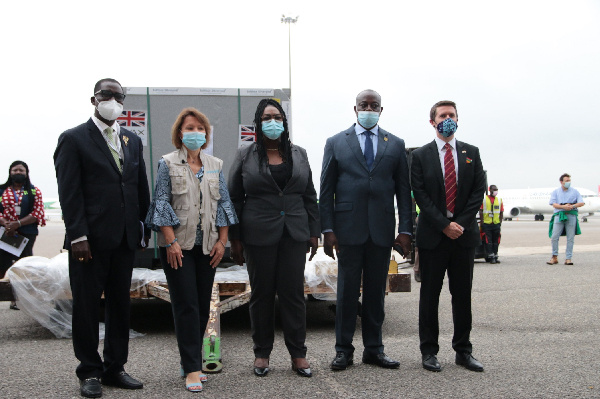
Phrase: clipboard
pixel 13 245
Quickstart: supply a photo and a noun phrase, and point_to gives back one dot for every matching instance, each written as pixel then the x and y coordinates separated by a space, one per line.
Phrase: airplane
pixel 535 201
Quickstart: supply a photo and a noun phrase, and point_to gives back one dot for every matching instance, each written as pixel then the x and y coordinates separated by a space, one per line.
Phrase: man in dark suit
pixel 448 183
pixel 364 169
pixel 104 195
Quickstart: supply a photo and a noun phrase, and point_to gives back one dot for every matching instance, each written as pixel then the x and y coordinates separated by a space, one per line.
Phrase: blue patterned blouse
pixel 161 213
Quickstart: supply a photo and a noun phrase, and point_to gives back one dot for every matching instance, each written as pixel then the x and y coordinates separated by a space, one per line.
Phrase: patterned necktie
pixel 115 154
pixel 369 148
pixel 450 178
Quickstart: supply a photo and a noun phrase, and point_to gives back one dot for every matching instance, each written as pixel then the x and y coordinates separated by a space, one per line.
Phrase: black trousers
pixel 458 261
pixel 108 271
pixel 277 269
pixel 371 262
pixel 7 259
pixel 492 238
pixel 190 288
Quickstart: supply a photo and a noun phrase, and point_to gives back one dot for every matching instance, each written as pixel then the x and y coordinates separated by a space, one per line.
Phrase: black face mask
pixel 19 178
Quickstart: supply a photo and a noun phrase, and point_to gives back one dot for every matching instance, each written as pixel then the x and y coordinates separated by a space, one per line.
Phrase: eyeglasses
pixel 107 94
pixel 266 118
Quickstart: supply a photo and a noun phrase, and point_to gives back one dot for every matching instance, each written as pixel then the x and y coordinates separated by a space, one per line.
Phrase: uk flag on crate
pixel 247 135
pixel 134 121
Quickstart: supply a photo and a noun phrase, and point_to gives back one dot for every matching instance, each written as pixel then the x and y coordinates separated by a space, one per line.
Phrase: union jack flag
pixel 247 133
pixel 132 119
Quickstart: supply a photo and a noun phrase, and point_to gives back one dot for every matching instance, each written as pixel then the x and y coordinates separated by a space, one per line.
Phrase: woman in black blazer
pixel 270 184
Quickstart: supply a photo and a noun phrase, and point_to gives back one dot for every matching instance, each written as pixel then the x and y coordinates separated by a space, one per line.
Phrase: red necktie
pixel 450 178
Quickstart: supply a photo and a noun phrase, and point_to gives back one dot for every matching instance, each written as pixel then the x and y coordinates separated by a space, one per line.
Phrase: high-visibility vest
pixel 491 215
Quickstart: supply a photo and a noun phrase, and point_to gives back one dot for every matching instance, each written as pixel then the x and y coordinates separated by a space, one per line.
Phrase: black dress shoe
pixel 302 372
pixel 468 361
pixel 91 388
pixel 418 276
pixel 381 360
pixel 261 371
pixel 122 380
pixel 431 363
pixel 342 361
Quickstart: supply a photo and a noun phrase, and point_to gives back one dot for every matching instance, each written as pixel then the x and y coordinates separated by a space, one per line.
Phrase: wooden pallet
pixel 226 296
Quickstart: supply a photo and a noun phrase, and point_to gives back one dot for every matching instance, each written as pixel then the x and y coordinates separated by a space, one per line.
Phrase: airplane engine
pixel 515 212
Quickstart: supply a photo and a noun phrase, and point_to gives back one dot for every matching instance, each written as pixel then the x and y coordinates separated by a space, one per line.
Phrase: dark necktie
pixel 450 178
pixel 369 148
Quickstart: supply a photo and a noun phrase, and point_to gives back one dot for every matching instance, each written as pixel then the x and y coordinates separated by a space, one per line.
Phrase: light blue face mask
pixel 368 119
pixel 447 127
pixel 272 129
pixel 194 140
pixel 567 184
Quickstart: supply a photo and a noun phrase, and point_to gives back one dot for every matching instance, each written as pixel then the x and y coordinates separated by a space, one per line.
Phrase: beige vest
pixel 185 191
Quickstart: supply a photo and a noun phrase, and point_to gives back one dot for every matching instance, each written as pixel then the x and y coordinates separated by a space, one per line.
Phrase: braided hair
pixel 285 145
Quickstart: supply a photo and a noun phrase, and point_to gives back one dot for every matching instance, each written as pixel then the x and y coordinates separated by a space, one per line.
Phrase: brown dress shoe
pixel 553 261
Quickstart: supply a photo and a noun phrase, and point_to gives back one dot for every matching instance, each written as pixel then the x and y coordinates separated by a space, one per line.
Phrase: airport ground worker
pixel 566 201
pixel 491 215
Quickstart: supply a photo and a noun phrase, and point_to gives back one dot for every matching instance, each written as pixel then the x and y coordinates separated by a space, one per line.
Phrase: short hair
pixel 368 91
pixel 433 112
pixel 99 83
pixel 564 175
pixel 176 129
pixel 492 185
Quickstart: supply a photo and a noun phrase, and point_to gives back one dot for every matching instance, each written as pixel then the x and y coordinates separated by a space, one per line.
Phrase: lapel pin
pixel 125 140
pixel 469 160
pixel 385 138
pixel 464 151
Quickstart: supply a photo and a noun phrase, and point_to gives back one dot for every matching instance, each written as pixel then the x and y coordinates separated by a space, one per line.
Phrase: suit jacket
pixel 96 199
pixel 430 194
pixel 357 203
pixel 263 209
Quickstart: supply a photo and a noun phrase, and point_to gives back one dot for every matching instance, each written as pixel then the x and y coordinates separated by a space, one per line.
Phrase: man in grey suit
pixel 364 168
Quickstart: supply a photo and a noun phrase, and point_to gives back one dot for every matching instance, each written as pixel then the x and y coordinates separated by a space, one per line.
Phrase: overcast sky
pixel 524 74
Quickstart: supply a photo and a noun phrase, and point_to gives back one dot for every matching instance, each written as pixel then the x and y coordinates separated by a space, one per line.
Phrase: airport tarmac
pixel 535 329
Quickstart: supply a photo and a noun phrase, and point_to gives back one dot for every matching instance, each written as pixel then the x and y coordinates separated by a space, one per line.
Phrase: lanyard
pixel 17 198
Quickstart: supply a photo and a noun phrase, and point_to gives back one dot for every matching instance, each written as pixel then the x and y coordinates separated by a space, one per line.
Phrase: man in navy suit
pixel 448 183
pixel 104 195
pixel 364 170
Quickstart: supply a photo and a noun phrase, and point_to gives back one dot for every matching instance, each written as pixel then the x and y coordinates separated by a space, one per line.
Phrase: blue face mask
pixel 194 140
pixel 272 129
pixel 447 127
pixel 368 119
pixel 567 184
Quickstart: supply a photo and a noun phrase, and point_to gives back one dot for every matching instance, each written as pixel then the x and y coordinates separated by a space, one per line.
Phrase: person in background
pixel 449 183
pixel 566 201
pixel 364 174
pixel 192 212
pixel 271 187
pixel 104 196
pixel 22 211
pixel 491 215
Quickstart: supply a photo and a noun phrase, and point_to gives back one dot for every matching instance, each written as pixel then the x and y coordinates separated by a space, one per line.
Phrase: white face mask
pixel 494 193
pixel 109 110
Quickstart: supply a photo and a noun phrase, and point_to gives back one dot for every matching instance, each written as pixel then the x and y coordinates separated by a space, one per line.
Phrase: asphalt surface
pixel 535 329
